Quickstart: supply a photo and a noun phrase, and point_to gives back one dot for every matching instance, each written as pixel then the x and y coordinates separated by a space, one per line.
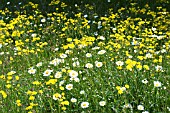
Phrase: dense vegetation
pixel 75 56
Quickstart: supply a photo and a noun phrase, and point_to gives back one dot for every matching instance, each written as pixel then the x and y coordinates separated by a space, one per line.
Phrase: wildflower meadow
pixel 70 58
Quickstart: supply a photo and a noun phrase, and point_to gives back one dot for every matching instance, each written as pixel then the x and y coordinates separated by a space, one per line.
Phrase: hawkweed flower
pixel 56 96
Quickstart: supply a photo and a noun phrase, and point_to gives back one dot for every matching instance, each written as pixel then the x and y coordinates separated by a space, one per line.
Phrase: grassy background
pixel 100 6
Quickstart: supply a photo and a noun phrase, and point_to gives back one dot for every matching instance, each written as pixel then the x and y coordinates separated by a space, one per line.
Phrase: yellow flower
pixel 40 91
pixel 146 67
pixel 61 88
pixel 31 98
pixel 120 91
pixel 4 95
pixel 118 87
pixel 0 62
pixel 63 108
pixel 11 73
pixel 29 107
pixel 56 96
pixel 18 102
pixel 11 58
pixel 36 83
pixel 8 86
pixel 17 77
pixel 9 77
pixel 65 103
pixel 51 81
pixel 127 86
pixel 2 76
pixel 69 39
pixel 34 92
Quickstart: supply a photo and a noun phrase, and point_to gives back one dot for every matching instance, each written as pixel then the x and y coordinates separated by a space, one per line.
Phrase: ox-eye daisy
pixel 32 71
pixel 84 104
pixel 47 72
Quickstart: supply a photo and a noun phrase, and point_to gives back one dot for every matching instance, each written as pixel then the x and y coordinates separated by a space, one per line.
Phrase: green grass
pixel 114 63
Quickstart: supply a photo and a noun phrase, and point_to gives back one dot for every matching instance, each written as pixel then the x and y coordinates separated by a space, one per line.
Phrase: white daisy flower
pixel 158 68
pixel 69 86
pixel 101 37
pixel 73 100
pixel 34 35
pixel 58 74
pixel 82 92
pixel 88 55
pixel 47 72
pixel 145 81
pixel 145 112
pixel 63 56
pixel 32 71
pixel 39 64
pixel 140 107
pixel 119 63
pixel 148 55
pixel 73 74
pixel 77 63
pixel 89 65
pixel 101 52
pixel 61 82
pixel 157 84
pixel 84 104
pixel 99 64
pixel 94 48
pixel 102 103
pixel 0 45
pixel 127 106
pixel 43 20
pixel 76 79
